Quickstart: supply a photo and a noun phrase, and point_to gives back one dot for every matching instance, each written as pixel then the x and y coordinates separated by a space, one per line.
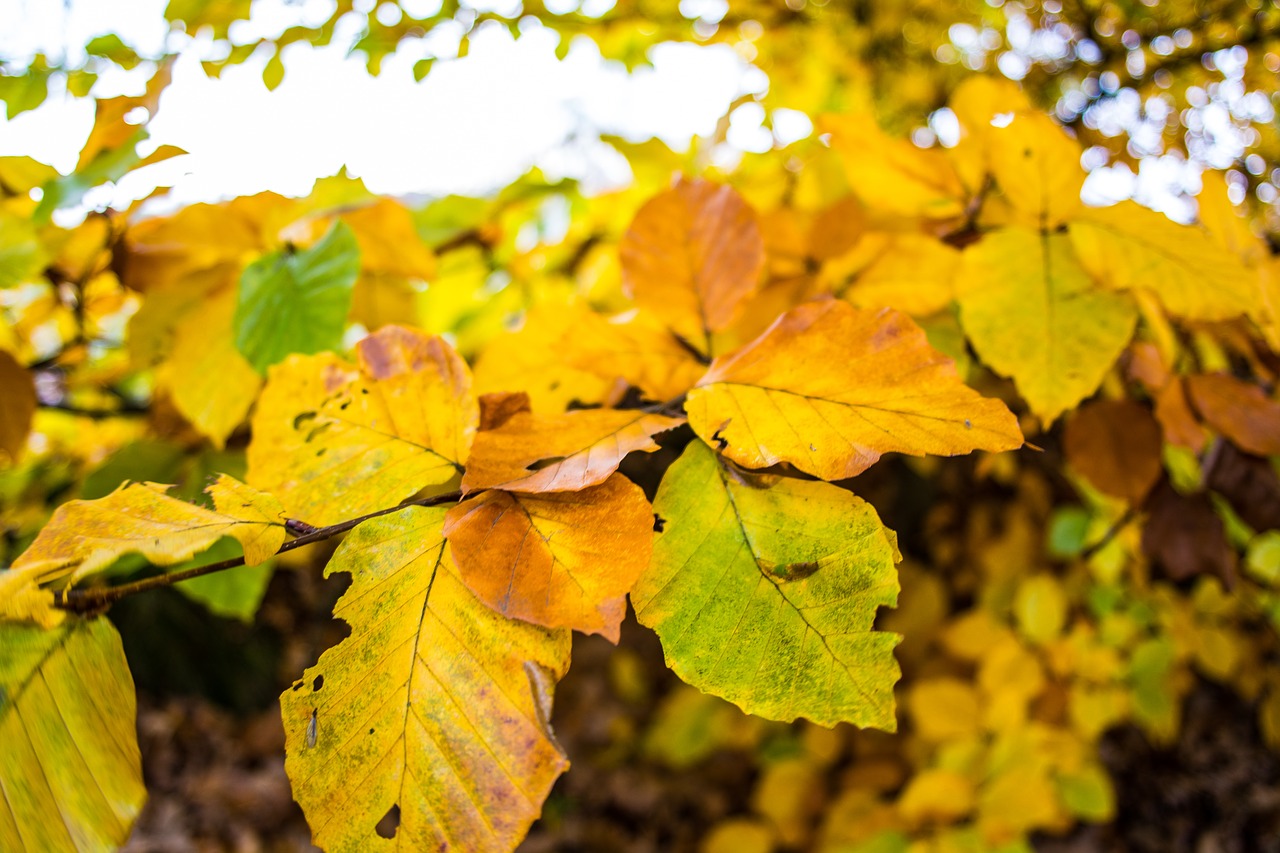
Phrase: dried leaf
pixel 1239 410
pixel 18 392
pixel 1115 445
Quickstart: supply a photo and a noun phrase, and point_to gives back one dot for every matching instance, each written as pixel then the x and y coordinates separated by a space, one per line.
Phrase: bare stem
pixel 98 599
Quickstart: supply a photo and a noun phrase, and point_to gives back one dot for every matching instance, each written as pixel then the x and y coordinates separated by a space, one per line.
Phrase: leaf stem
pixel 98 599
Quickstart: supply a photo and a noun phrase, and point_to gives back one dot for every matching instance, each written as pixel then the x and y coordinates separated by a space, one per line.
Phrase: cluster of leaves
pixel 763 338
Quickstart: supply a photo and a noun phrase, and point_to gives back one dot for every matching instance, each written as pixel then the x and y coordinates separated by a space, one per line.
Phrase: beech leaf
pixel 556 453
pixel 1115 445
pixel 18 392
pixel 830 388
pixel 297 300
pixel 764 592
pixel 1128 246
pixel 692 256
pixel 85 537
pixel 332 446
pixel 1239 410
pixel 1033 314
pixel 434 709
pixel 70 770
pixel 561 559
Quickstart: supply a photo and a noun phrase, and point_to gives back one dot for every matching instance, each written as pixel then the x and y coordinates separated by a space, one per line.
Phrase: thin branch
pixel 98 599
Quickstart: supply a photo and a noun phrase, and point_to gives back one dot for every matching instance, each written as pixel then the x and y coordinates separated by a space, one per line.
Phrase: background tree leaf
pixel 70 770
pixel 297 300
pixel 764 592
pixel 19 394
pixel 433 704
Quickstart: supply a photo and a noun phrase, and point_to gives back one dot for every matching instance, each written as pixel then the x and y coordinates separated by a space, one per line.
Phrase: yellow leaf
pixel 632 347
pixel 830 388
pixel 1038 169
pixel 85 537
pixel 1129 246
pixel 554 453
pixel 404 423
pixel 976 101
pixel 914 273
pixel 435 709
pixel 18 392
pixel 692 256
pixel 936 795
pixel 1040 606
pixel 209 381
pixel 1032 314
pixel 389 242
pixel 943 709
pixel 893 175
pixel 69 769
pixel 561 559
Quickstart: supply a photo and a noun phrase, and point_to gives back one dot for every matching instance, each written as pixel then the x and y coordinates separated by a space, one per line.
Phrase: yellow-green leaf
pixel 1128 246
pixel 1032 314
pixel 829 388
pixel 763 591
pixel 70 771
pixel 85 537
pixel 332 449
pixel 435 708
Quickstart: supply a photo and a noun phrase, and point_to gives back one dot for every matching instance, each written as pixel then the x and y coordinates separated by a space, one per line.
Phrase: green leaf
pixel 763 592
pixel 70 770
pixel 297 301
pixel 273 72
pixel 26 91
pixel 434 710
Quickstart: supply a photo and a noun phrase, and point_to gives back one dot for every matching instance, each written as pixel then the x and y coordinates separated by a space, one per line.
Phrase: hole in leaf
pixel 318 683
pixel 658 523
pixel 302 419
pixel 297 685
pixel 370 731
pixel 344 405
pixel 316 431
pixel 390 822
pixel 320 452
pixel 544 463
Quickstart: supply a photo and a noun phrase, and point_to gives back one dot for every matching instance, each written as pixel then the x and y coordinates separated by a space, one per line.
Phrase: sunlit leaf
pixel 560 559
pixel 830 388
pixel 435 710
pixel 764 592
pixel 1032 313
pixel 70 768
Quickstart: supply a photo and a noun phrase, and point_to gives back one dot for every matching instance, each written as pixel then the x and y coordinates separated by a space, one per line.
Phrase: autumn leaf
pixel 296 300
pixel 555 453
pixel 692 257
pixel 913 273
pixel 830 388
pixel 435 709
pixel 894 175
pixel 764 591
pixel 331 447
pixel 1129 246
pixel 1033 314
pixel 1037 167
pixel 70 768
pixel 19 395
pixel 389 242
pixel 561 559
pixel 1239 410
pixel 85 537
pixel 1115 445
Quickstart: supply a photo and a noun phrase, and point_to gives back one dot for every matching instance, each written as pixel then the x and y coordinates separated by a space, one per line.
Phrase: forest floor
pixel 213 756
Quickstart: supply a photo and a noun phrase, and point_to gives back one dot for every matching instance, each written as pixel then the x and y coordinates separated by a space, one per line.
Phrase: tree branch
pixel 98 599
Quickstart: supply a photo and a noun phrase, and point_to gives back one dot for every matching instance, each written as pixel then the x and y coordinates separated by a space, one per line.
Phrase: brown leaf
pixel 19 395
pixel 560 560
pixel 1239 410
pixel 1115 445
pixel 1185 536
pixel 1250 484
pixel 692 256
pixel 499 407
pixel 1173 411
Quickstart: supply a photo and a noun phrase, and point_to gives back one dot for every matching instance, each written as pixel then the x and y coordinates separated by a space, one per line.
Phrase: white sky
pixel 472 125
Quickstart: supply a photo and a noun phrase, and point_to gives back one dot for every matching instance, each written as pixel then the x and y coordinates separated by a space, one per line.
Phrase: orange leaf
pixel 557 453
pixel 1173 411
pixel 19 395
pixel 692 256
pixel 561 560
pixel 830 388
pixel 1239 410
pixel 1115 445
pixel 500 406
